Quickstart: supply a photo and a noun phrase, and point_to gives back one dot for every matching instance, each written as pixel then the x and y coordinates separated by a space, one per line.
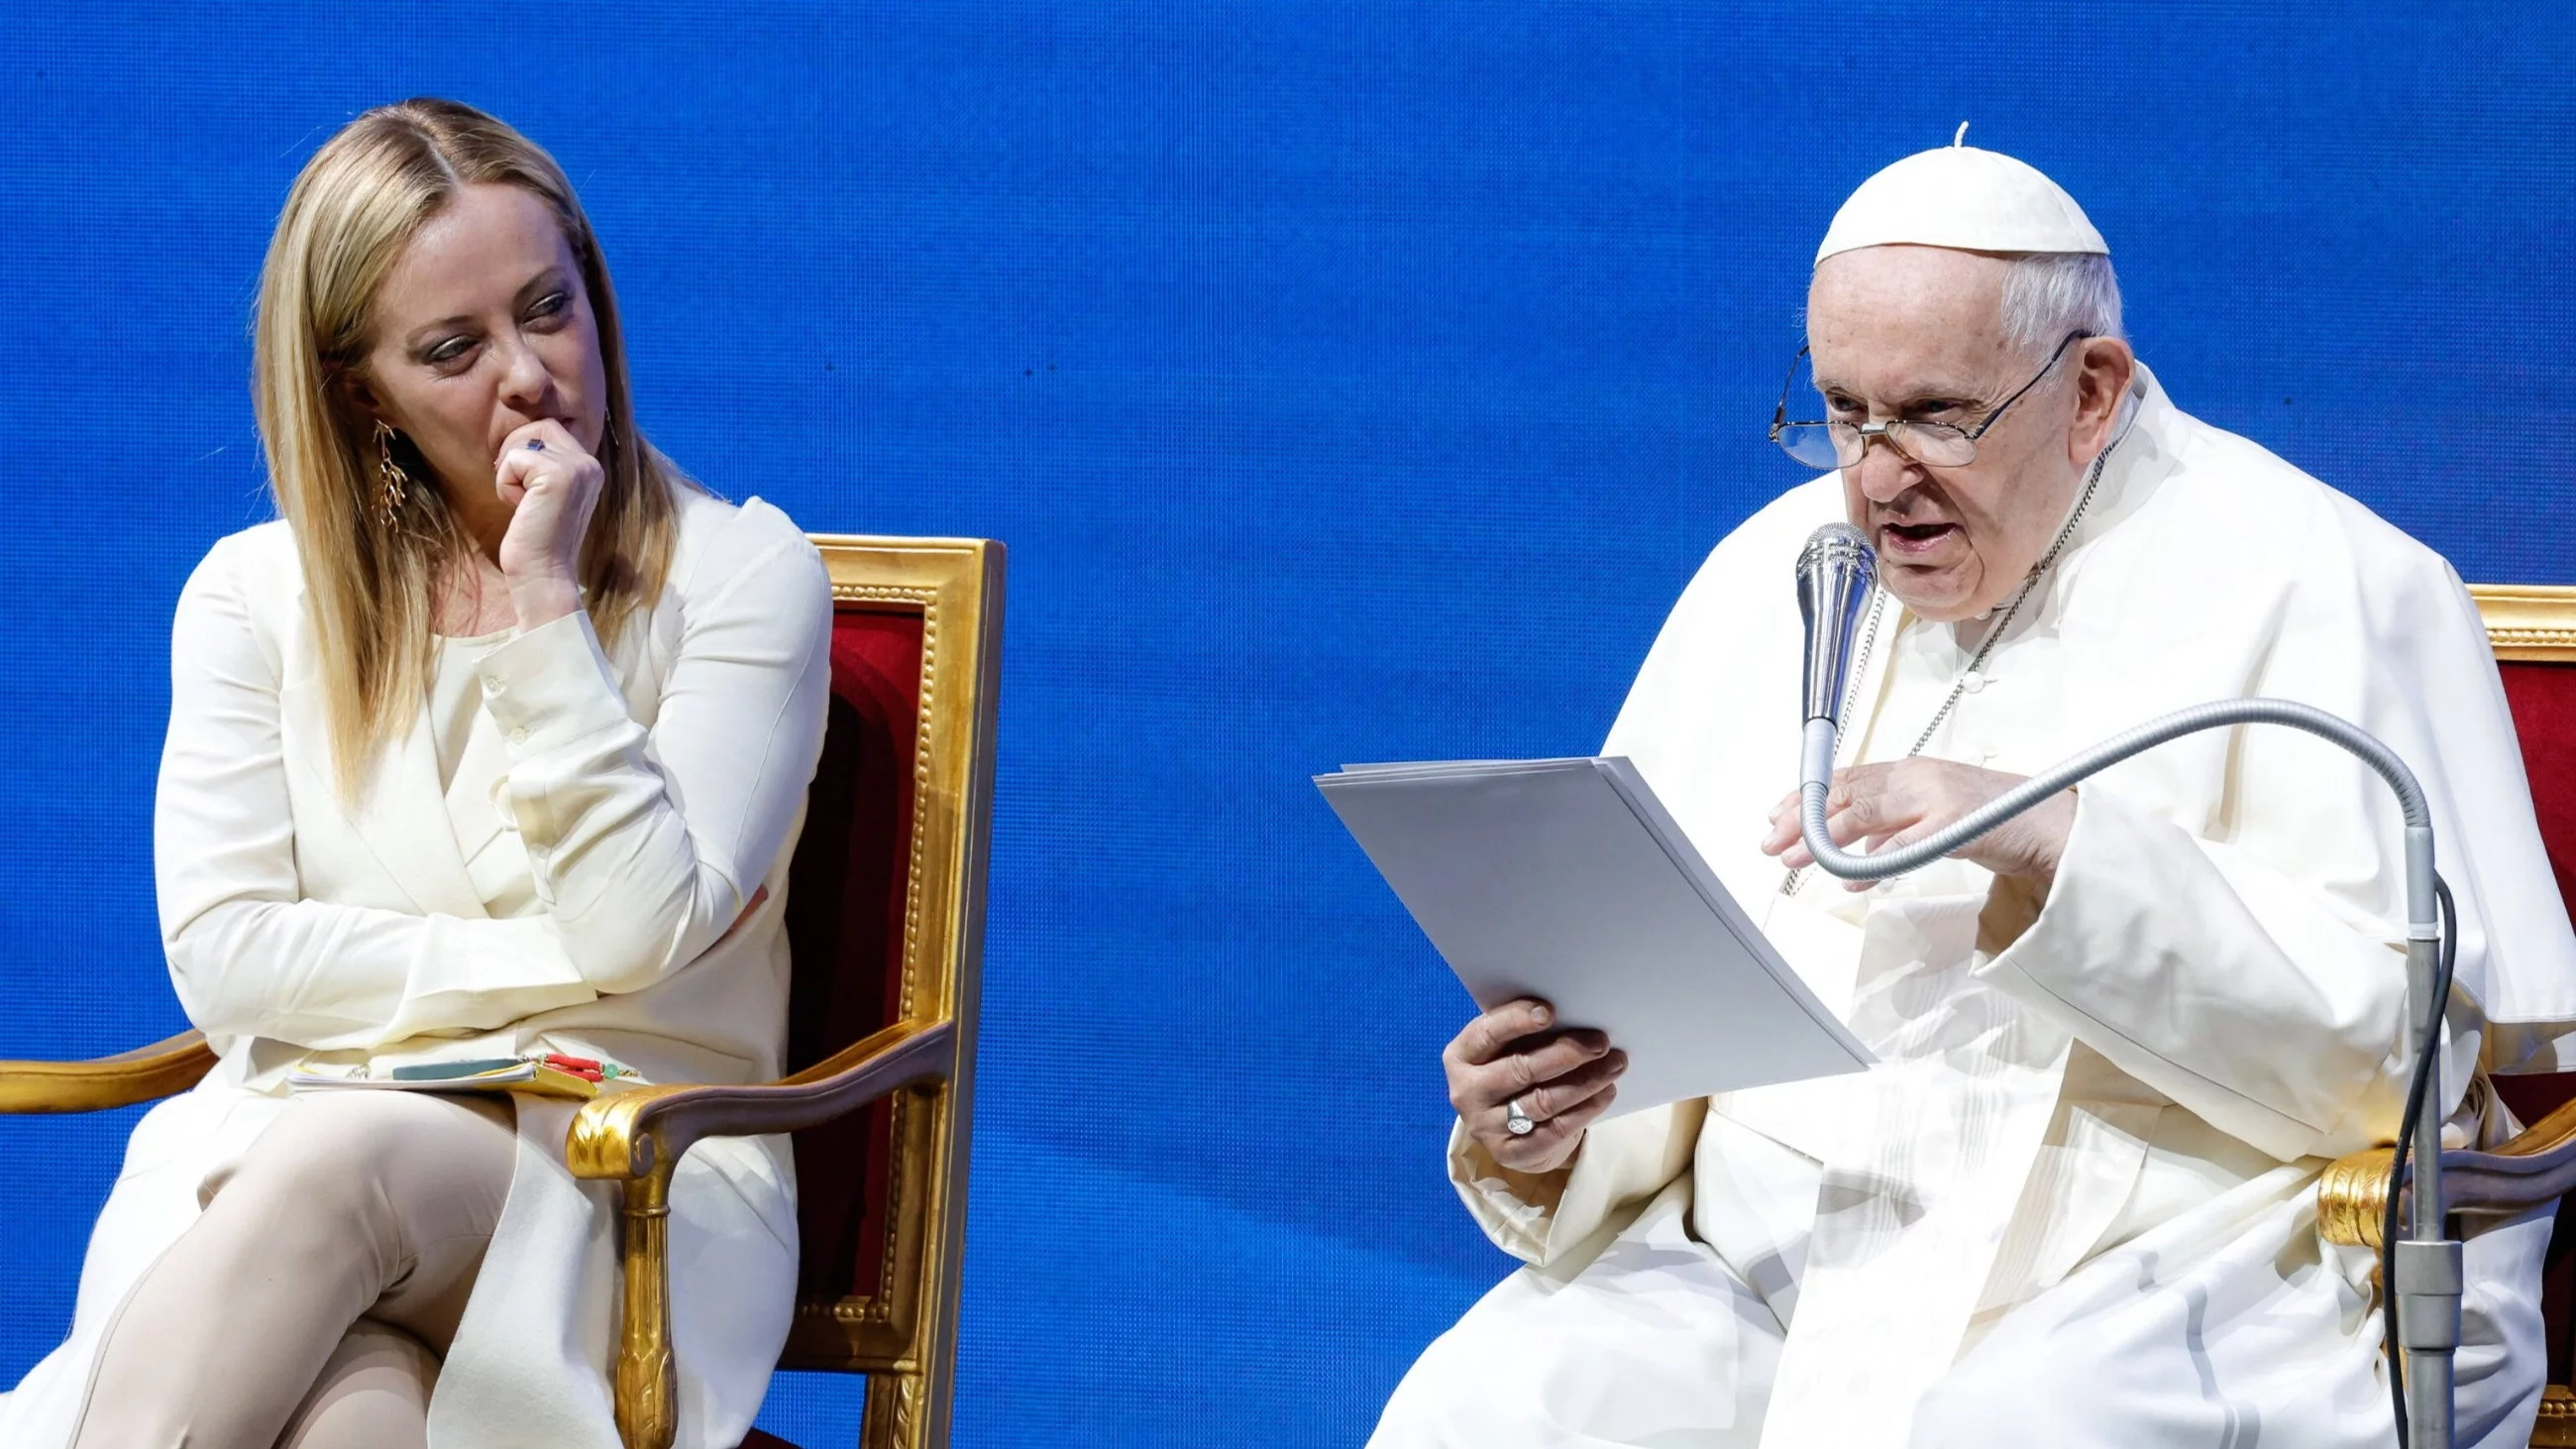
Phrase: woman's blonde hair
pixel 368 575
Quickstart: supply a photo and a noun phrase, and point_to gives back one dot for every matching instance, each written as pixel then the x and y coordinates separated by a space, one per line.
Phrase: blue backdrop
pixel 1349 381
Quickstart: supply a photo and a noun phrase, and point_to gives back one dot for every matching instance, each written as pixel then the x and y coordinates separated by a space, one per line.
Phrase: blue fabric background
pixel 1349 381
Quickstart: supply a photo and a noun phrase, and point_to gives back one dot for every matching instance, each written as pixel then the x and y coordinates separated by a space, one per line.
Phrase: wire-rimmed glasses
pixel 1826 444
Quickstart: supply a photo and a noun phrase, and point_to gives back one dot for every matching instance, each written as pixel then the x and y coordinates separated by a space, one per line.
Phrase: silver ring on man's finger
pixel 1516 1121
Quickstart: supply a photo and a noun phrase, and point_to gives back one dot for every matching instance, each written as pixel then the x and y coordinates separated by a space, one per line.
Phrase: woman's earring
pixel 391 481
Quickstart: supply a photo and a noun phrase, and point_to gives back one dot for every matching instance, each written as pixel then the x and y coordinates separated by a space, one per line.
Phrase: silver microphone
pixel 1836 571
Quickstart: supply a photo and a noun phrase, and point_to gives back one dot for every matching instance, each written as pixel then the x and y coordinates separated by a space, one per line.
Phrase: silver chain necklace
pixel 1877 606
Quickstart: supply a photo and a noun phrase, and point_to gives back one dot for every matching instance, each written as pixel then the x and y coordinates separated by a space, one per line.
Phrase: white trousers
pixel 2229 1330
pixel 307 1306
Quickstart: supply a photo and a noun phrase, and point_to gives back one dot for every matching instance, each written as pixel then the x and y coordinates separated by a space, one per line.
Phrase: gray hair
pixel 2049 294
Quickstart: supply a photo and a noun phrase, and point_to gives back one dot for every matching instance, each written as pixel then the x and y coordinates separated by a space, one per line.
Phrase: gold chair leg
pixel 893 1418
pixel 647 1384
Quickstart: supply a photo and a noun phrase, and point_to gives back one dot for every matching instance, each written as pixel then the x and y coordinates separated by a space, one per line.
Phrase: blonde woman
pixel 495 745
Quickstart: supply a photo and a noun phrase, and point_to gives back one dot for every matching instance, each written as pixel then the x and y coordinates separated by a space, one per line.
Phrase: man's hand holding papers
pixel 1559 1080
pixel 1564 885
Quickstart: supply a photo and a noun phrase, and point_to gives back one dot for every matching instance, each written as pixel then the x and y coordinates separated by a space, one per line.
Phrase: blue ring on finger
pixel 536 445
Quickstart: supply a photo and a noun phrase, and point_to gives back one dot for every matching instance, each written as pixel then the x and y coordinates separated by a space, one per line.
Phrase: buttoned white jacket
pixel 650 793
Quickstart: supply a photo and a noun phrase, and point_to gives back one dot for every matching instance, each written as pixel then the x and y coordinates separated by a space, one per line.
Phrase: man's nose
pixel 1883 470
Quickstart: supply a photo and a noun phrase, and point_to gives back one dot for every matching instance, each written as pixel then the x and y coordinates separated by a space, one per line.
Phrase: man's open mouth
pixel 1911 537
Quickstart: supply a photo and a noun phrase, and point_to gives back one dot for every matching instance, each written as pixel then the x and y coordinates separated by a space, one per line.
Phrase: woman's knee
pixel 367 1162
pixel 373 1394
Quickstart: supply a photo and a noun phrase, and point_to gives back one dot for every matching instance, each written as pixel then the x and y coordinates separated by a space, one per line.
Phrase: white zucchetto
pixel 1961 197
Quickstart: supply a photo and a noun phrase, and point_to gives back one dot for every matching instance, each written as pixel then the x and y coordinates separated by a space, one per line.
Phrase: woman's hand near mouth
pixel 552 483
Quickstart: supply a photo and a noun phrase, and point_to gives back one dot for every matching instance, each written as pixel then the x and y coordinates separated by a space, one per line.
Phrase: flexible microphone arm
pixel 2216 715
pixel 2427 1266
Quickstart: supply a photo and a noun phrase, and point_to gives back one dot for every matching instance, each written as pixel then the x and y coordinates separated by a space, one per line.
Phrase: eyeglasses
pixel 1824 445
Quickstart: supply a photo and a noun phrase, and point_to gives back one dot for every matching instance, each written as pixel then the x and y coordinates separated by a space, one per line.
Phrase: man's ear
pixel 2103 371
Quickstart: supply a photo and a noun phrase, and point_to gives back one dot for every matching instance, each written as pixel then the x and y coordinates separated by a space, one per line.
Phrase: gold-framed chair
pixel 2533 632
pixel 885 916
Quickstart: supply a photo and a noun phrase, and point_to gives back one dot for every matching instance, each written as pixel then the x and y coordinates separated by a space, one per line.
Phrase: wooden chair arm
pixel 141 1075
pixel 2536 1166
pixel 636 1137
pixel 623 1136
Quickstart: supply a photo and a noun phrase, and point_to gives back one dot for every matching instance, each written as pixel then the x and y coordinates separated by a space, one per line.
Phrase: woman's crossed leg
pixel 307 1307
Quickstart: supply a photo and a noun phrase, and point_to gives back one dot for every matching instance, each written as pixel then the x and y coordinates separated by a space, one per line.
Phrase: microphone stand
pixel 2426 1265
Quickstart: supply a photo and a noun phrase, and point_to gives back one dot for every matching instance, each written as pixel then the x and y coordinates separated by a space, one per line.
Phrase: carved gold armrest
pixel 141 1075
pixel 636 1137
pixel 2537 1166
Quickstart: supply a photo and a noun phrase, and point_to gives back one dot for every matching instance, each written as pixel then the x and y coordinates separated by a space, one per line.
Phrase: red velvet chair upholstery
pixel 885 915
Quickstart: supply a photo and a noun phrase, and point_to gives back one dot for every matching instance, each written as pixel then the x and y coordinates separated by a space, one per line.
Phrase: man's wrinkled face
pixel 1917 333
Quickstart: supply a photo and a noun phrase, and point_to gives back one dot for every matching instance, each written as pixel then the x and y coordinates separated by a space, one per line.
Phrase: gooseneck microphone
pixel 1836 572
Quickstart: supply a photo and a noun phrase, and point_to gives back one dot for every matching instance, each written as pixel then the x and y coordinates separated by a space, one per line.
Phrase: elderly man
pixel 2119 1038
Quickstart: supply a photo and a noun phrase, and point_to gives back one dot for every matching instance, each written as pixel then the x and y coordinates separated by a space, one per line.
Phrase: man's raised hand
pixel 1883 806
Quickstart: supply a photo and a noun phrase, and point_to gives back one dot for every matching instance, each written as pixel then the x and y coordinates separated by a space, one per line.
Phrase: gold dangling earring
pixel 391 481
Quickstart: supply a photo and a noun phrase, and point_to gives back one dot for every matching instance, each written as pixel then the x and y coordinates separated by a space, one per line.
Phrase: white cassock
pixel 554 858
pixel 2075 1204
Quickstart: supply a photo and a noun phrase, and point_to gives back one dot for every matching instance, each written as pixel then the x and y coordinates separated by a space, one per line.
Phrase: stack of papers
pixel 1568 881
pixel 534 1078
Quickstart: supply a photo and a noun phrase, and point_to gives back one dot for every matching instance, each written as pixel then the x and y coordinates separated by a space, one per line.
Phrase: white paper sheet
pixel 1567 880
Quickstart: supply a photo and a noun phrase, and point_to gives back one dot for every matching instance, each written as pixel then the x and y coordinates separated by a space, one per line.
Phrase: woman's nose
pixel 525 383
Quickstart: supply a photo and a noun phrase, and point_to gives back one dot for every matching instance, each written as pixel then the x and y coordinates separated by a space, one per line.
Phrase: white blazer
pixel 649 794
